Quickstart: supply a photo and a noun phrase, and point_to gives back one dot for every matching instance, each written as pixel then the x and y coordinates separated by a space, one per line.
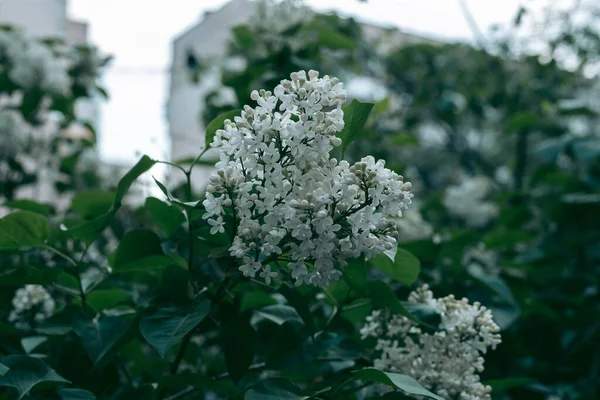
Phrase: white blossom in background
pixel 447 362
pixel 467 201
pixel 31 303
pixel 480 257
pixel 12 136
pixel 287 198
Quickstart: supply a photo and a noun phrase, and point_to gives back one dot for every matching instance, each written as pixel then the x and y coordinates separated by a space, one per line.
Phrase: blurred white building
pixel 208 39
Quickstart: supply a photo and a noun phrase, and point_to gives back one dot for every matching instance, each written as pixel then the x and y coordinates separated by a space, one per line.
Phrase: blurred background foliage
pixel 501 141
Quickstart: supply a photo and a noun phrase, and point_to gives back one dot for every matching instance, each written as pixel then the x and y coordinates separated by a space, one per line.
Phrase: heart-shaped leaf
pixel 23 229
pixel 25 372
pixel 165 327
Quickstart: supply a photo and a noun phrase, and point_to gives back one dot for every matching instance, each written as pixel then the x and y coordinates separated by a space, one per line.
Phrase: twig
pixel 181 352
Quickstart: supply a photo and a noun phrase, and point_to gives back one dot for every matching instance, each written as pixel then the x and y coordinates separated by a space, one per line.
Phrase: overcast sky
pixel 138 34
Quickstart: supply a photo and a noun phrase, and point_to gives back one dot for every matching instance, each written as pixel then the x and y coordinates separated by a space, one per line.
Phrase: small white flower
pixel 250 267
pixel 218 226
pixel 267 274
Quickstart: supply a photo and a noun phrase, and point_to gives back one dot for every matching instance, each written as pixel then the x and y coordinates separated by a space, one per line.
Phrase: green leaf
pixel 405 268
pixel 216 124
pixel 90 230
pixel 125 183
pixel 140 249
pixel 102 337
pixel 298 301
pixel 329 37
pixel 403 382
pixel 165 327
pixel 92 203
pixel 31 343
pixel 238 340
pixel 243 36
pixel 76 394
pixel 3 369
pixel 166 217
pixel 256 299
pixel 355 118
pixel 23 229
pixel 101 300
pixel 30 205
pixel 187 205
pixel 277 313
pixel 275 389
pixel 383 297
pixel 25 372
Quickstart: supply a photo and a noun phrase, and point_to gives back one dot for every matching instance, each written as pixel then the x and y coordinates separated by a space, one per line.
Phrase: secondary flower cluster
pixel 31 303
pixel 447 362
pixel 286 197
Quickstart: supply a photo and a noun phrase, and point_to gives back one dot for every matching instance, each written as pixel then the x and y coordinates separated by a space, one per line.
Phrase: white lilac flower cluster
pixel 32 64
pixel 286 197
pixel 31 303
pixel 467 201
pixel 447 362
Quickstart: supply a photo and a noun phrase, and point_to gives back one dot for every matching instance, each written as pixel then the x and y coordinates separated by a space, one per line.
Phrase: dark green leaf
pixel 239 344
pixel 166 327
pixel 403 382
pixel 23 229
pixel 216 124
pixel 101 300
pixel 256 299
pixel 355 118
pixel 383 297
pixel 167 217
pixel 102 337
pixel 298 301
pixel 405 268
pixel 25 372
pixel 140 249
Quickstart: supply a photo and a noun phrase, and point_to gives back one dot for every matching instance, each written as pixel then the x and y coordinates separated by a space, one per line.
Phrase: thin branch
pixel 61 254
pixel 184 344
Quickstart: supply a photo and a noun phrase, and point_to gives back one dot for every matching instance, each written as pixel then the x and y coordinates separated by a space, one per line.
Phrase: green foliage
pixel 23 229
pixel 25 372
pixel 355 118
pixel 140 249
pixel 403 382
pixel 404 268
pixel 165 327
